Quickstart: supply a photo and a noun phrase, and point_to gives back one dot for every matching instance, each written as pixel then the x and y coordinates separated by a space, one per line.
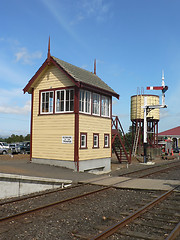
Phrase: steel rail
pixel 55 203
pixel 37 195
pixel 141 170
pixel 14 216
pixel 114 228
pixel 158 171
pixel 149 168
pixel 175 232
pixel 82 184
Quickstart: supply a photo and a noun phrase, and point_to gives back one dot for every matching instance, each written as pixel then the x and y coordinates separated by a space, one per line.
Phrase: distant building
pixel 172 134
pixel 71 115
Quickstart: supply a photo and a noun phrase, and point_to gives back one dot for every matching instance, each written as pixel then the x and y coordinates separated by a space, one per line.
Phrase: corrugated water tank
pixel 137 102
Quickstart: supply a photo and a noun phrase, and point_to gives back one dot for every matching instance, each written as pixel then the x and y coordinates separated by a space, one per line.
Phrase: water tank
pixel 137 102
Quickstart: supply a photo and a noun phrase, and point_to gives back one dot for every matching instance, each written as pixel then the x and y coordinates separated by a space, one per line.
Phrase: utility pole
pixel 145 129
pixel 148 108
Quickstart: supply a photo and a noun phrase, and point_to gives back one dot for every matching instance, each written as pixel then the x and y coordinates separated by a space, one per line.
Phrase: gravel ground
pixel 156 223
pixel 27 204
pixel 172 174
pixel 15 157
pixel 84 216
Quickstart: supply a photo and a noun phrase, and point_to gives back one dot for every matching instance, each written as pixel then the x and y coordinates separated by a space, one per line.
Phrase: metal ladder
pixel 136 139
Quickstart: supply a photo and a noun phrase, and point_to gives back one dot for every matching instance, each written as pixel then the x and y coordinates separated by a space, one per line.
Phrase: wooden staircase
pixel 118 141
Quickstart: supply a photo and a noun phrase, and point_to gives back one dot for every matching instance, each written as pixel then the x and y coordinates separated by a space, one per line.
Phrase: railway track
pixel 86 192
pixel 26 216
pixel 105 196
pixel 35 195
pixel 50 205
pixel 143 173
pixel 153 216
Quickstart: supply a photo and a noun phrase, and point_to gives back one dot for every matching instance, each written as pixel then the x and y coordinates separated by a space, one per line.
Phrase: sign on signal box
pixel 67 139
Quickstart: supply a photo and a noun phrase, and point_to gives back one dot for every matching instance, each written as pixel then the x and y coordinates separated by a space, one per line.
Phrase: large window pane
pixel 96 104
pixel 65 100
pixel 71 100
pixel 105 106
pixel 85 101
pixel 47 102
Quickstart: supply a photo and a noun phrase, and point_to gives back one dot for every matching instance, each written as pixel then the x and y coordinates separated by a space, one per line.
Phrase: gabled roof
pixel 171 132
pixel 81 77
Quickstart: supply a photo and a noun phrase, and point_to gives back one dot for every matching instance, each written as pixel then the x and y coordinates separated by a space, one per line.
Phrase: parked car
pixel 24 147
pixel 4 145
pixel 4 148
pixel 176 150
pixel 14 147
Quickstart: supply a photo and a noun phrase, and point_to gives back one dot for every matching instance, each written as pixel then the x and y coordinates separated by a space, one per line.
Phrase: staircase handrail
pixel 115 123
pixel 128 157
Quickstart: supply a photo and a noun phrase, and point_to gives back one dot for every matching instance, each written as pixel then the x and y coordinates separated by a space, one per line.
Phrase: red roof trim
pixel 35 76
pixel 78 84
pixel 171 132
pixel 27 87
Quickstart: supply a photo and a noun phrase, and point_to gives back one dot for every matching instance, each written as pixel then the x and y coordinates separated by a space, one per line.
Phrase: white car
pixel 4 148
pixel 4 145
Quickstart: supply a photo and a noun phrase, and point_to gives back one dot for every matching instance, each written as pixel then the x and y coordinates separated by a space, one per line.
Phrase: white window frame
pixel 106 137
pixel 95 142
pixel 64 100
pixel 50 104
pixel 105 106
pixel 84 141
pixel 83 100
pixel 96 105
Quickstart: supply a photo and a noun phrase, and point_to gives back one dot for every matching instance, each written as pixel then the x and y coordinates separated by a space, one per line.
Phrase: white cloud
pixel 8 96
pixel 164 113
pixel 16 109
pixel 8 74
pixel 95 8
pixel 25 57
pixel 13 101
pixel 55 10
pixel 21 53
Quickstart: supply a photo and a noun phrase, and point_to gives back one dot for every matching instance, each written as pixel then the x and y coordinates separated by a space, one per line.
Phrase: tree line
pixel 15 138
pixel 21 138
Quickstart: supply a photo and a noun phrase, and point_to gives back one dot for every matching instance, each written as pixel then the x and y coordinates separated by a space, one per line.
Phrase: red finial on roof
pixel 49 54
pixel 95 66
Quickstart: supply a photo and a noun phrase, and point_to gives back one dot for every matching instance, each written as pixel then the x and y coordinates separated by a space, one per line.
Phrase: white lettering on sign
pixel 67 139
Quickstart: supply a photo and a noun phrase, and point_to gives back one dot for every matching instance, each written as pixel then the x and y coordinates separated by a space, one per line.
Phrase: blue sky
pixel 132 40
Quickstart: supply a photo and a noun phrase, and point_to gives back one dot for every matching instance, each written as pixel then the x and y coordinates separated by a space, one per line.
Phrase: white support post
pixel 163 85
pixel 145 129
pixel 150 107
pixel 145 119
